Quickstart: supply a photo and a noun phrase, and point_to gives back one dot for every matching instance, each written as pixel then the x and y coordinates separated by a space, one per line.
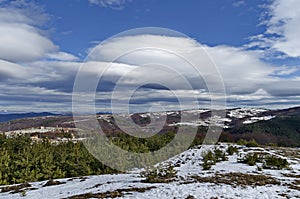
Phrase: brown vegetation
pixel 238 179
pixel 111 194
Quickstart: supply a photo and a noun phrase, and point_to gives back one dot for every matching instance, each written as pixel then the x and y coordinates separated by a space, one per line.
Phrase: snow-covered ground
pixel 245 112
pixel 256 119
pixel 188 164
pixel 240 113
pixel 215 120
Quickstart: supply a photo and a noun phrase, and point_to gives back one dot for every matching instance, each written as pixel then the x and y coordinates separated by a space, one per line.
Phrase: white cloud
pixel 248 80
pixel 282 29
pixel 32 98
pixel 242 71
pixel 48 84
pixel 62 56
pixel 21 40
pixel 10 70
pixel 26 83
pixel 285 70
pixel 114 4
pixel 239 3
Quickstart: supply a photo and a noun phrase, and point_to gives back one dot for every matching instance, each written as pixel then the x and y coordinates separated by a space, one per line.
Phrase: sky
pixel 253 46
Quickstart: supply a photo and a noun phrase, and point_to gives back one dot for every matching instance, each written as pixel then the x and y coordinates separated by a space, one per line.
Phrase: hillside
pixel 284 129
pixel 228 178
pixel 4 117
pixel 281 127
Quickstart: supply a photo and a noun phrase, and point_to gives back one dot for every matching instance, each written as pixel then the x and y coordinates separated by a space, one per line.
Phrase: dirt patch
pixel 290 175
pixel 295 185
pixel 99 185
pixel 238 179
pixel 190 197
pixel 289 153
pixel 52 183
pixel 111 194
pixel 292 186
pixel 15 188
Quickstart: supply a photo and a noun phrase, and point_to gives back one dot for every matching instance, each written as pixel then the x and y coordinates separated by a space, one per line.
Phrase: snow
pixel 245 112
pixel 223 122
pixel 106 118
pixel 145 115
pixel 170 113
pixel 256 119
pixel 196 112
pixel 215 121
pixel 190 164
pixel 206 191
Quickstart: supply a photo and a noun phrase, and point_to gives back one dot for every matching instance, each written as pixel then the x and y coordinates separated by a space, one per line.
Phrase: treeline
pixel 282 131
pixel 153 143
pixel 22 160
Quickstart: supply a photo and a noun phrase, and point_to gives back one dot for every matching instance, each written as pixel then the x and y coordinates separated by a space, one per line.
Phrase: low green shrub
pixel 272 144
pixel 268 161
pixel 160 174
pixel 273 162
pixel 252 143
pixel 220 155
pixel 211 158
pixel 251 159
pixel 242 142
pixel 232 149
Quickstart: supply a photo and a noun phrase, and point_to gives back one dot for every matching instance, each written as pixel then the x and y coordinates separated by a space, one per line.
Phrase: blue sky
pixel 254 45
pixel 212 22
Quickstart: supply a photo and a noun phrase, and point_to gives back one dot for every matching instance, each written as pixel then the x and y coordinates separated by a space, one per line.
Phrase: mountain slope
pixel 13 116
pixel 281 127
pixel 226 179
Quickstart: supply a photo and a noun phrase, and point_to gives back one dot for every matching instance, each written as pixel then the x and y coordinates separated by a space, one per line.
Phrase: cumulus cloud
pixel 21 43
pixel 285 70
pixel 152 68
pixel 62 56
pixel 32 98
pixel 13 71
pixel 21 38
pixel 247 78
pixel 282 23
pixel 34 73
pixel 245 66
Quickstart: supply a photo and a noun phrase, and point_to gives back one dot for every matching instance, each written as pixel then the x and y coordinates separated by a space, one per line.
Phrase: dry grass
pixel 15 188
pixel 52 183
pixel 238 179
pixel 111 194
pixel 292 186
pixel 291 153
pixel 290 175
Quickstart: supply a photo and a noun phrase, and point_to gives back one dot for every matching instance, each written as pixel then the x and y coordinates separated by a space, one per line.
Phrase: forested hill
pixel 12 116
pixel 282 130
pixel 281 126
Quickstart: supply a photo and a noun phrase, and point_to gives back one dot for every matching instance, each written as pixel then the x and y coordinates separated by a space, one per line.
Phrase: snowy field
pixel 226 179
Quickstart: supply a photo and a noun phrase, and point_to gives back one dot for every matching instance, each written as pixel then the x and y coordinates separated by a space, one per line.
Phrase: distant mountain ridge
pixel 280 126
pixel 4 117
